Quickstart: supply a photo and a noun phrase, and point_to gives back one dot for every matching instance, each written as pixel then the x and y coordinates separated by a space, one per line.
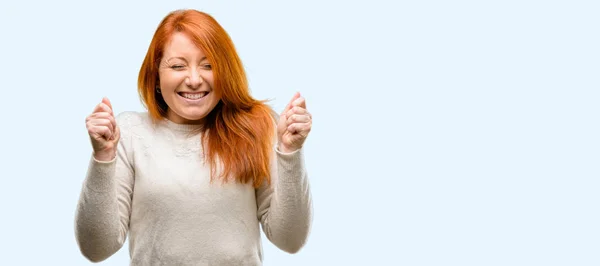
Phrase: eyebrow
pixel 182 58
pixel 175 57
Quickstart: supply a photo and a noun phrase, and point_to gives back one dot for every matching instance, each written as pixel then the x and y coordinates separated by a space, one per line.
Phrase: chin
pixel 194 116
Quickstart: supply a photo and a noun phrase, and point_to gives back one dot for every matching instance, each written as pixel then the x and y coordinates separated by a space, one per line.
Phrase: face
pixel 186 81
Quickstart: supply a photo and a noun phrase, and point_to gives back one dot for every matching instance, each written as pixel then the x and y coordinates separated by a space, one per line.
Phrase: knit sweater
pixel 157 191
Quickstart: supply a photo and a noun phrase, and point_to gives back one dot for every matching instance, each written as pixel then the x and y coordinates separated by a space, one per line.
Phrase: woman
pixel 191 179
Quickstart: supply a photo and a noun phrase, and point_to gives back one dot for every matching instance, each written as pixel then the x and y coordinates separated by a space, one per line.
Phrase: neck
pixel 183 126
pixel 175 118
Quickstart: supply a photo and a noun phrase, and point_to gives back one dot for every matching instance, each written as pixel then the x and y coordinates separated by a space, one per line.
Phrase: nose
pixel 194 80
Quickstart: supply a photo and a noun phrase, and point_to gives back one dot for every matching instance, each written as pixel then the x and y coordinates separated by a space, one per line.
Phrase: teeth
pixel 193 96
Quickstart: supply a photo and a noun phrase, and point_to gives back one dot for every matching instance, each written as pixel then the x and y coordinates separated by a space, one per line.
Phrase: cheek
pixel 209 78
pixel 211 84
pixel 169 82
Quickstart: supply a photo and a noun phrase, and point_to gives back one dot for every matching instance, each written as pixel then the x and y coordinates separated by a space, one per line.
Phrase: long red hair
pixel 239 131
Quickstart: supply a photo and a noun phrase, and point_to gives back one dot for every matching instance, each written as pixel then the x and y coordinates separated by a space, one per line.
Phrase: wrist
pixel 285 149
pixel 104 156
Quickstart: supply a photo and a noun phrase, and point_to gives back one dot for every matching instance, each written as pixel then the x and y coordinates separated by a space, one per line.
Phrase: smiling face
pixel 186 81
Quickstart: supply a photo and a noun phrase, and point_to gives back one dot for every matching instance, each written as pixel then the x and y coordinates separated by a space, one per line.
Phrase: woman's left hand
pixel 294 125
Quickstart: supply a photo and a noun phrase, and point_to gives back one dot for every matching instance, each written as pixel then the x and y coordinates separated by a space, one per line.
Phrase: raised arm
pixel 104 206
pixel 285 206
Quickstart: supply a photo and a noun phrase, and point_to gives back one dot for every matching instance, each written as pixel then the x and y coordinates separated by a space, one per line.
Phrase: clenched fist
pixel 103 130
pixel 294 125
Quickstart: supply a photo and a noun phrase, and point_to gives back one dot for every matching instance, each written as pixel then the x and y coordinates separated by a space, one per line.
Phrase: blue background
pixel 445 132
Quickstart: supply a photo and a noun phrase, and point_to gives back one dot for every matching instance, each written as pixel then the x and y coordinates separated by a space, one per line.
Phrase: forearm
pixel 98 230
pixel 290 214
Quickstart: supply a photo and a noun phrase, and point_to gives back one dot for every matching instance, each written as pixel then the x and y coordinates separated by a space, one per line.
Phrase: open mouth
pixel 193 95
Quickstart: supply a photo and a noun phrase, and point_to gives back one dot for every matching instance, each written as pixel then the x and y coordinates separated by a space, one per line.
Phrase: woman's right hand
pixel 103 130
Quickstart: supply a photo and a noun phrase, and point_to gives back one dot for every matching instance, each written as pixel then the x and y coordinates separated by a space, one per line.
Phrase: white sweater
pixel 158 192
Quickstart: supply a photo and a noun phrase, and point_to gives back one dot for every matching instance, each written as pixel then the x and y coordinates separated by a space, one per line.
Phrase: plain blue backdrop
pixel 445 132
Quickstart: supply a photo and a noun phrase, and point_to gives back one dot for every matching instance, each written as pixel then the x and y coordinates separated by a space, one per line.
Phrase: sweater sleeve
pixel 104 206
pixel 285 206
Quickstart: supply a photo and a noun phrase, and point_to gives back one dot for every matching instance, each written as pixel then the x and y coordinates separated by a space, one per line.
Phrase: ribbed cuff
pixel 291 166
pixel 100 176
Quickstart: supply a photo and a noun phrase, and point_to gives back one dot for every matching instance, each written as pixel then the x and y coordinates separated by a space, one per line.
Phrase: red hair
pixel 239 131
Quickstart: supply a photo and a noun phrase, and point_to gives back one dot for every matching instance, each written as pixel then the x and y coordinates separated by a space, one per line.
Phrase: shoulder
pixel 134 123
pixel 134 127
pixel 131 119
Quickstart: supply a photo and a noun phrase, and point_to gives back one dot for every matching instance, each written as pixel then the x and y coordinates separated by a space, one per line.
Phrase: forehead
pixel 181 45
